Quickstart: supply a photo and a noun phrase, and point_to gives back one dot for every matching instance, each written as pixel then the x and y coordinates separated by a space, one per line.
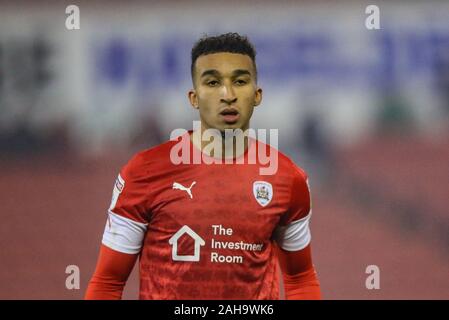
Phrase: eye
pixel 212 83
pixel 240 82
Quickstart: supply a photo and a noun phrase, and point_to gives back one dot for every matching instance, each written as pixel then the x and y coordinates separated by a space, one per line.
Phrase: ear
pixel 193 98
pixel 258 96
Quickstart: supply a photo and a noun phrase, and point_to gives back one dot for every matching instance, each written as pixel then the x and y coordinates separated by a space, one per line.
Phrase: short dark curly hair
pixel 228 42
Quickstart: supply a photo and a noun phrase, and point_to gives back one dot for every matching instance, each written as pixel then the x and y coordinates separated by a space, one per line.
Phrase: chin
pixel 232 127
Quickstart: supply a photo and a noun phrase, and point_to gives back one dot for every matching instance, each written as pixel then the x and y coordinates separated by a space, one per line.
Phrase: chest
pixel 229 201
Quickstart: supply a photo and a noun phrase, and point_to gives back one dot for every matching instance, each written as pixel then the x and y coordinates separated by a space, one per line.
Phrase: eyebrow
pixel 216 73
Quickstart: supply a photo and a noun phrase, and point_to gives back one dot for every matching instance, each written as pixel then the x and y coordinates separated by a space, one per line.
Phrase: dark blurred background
pixel 364 112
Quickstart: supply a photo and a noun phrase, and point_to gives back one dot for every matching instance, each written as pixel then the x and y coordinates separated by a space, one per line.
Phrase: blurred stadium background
pixel 365 112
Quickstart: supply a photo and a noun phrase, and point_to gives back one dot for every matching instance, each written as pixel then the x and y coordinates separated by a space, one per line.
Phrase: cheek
pixel 205 103
pixel 248 93
pixel 209 101
pixel 206 98
pixel 248 100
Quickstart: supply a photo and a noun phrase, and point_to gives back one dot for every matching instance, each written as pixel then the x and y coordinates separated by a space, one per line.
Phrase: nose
pixel 228 94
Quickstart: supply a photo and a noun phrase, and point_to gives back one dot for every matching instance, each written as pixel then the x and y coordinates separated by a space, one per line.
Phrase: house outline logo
pixel 174 243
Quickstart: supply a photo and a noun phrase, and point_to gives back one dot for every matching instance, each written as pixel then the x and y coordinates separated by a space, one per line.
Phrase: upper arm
pixel 293 232
pixel 127 221
pixel 114 265
pixel 295 262
pixel 112 272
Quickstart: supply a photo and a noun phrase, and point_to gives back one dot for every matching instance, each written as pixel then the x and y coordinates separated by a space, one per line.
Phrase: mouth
pixel 230 115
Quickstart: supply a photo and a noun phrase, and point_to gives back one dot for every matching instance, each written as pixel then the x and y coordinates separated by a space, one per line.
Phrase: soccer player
pixel 210 231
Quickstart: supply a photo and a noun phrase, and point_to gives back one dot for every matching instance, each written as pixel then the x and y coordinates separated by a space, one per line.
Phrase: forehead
pixel 224 62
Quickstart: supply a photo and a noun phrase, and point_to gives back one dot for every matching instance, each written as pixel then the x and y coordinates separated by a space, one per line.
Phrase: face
pixel 225 90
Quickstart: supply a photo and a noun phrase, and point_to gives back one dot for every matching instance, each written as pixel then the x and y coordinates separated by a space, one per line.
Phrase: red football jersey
pixel 206 231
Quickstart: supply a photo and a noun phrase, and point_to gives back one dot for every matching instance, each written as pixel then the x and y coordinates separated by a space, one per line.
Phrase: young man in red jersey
pixel 210 230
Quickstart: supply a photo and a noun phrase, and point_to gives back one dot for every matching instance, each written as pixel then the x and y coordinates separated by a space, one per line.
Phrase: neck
pixel 220 144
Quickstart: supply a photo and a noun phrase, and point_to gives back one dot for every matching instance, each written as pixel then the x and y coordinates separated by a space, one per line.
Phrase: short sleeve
pixel 129 195
pixel 293 232
pixel 127 215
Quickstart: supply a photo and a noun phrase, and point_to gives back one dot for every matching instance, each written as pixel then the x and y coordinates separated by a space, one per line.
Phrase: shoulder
pixel 286 166
pixel 293 168
pixel 147 160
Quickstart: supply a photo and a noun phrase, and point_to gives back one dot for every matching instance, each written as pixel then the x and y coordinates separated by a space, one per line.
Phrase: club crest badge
pixel 263 192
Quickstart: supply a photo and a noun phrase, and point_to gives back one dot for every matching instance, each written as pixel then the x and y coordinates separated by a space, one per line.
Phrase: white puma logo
pixel 181 187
